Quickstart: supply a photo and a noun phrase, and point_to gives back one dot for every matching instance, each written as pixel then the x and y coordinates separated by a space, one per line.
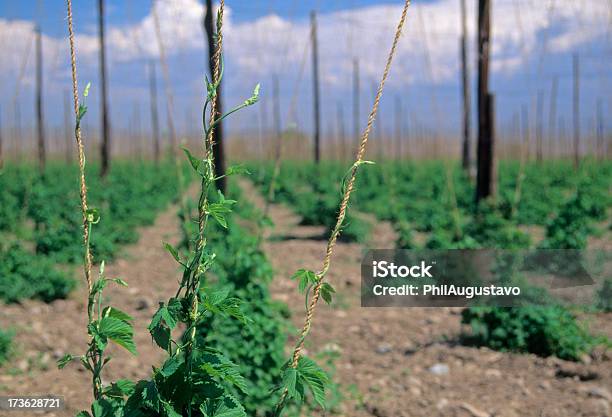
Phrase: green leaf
pixel 172 251
pixel 116 313
pixel 119 332
pixel 254 98
pixel 65 360
pixel 227 406
pixel 237 169
pixel 305 277
pixel 290 383
pixel 170 411
pixel 195 162
pixel 86 91
pixel 150 395
pixel 119 281
pixel 326 292
pixel 314 378
pixel 217 365
pixel 120 388
pixel 171 365
pixel 83 414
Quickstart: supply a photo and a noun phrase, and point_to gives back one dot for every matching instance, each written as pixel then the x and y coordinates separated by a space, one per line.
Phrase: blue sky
pixel 532 43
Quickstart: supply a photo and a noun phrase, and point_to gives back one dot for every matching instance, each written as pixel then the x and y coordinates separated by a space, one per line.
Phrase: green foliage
pixel 570 228
pixel 6 342
pixel 24 275
pixel 544 331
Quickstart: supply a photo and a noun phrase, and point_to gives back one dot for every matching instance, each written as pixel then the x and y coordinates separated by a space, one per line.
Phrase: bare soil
pixel 405 362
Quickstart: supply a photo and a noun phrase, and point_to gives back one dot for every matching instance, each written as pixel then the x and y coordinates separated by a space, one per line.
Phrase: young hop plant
pixel 108 323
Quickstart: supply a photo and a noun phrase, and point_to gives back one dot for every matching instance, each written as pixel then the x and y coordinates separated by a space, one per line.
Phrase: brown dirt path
pixel 395 362
pixel 45 332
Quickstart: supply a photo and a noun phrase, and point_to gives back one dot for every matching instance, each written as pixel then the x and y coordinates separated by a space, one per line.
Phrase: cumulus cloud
pixel 428 51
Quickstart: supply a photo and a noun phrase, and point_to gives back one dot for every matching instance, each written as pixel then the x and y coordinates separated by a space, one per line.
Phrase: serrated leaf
pixel 305 277
pixel 227 406
pixel 171 365
pixel 290 382
pixel 120 388
pixel 314 378
pixel 119 332
pixel 326 292
pixel 116 313
pixel 83 414
pixel 150 395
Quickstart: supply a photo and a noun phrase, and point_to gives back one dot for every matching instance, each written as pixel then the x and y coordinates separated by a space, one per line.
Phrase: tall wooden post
pixel 154 112
pixel 356 97
pixel 552 114
pixel 315 86
pixel 105 146
pixel 219 148
pixel 485 180
pixel 576 109
pixel 525 126
pixel 539 132
pixel 398 126
pixel 465 87
pixel 40 123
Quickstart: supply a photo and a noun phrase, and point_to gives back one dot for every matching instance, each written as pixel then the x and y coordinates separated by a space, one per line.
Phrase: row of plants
pixel 436 200
pixel 315 194
pixel 41 227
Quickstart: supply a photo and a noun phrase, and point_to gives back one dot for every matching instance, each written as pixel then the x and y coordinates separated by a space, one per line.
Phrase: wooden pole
pixel 539 116
pixel 552 115
pixel 40 124
pixel 356 97
pixel 154 112
pixel 465 87
pixel 219 148
pixel 105 146
pixel 315 85
pixel 485 180
pixel 576 108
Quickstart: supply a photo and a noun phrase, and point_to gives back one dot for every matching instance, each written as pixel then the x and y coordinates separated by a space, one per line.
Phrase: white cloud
pixel 275 44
